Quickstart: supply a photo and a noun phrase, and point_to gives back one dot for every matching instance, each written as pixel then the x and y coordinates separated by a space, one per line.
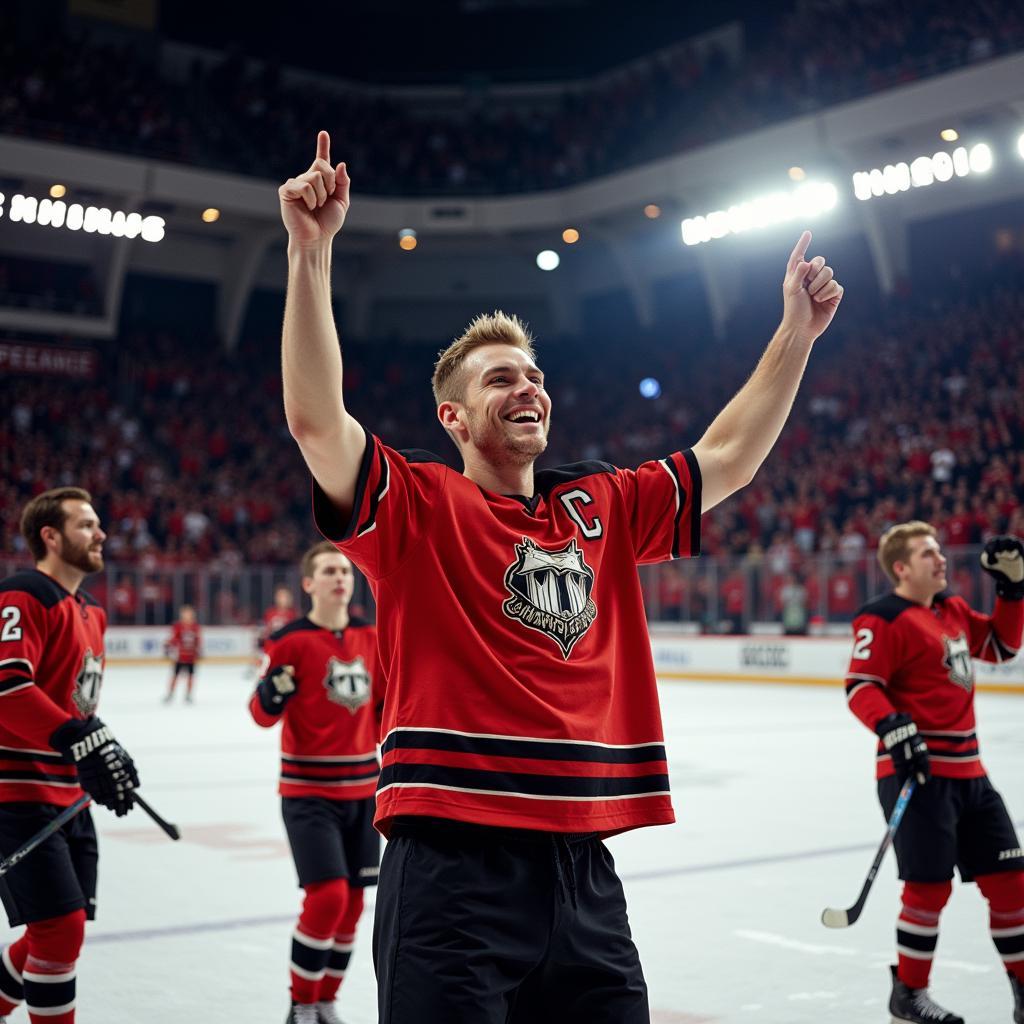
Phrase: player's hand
pixel 314 204
pixel 276 688
pixel 105 770
pixel 905 745
pixel 810 292
pixel 1003 560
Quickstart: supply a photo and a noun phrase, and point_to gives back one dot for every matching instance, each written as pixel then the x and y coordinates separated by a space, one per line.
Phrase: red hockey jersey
pixel 917 660
pixel 331 722
pixel 51 669
pixel 520 683
pixel 186 643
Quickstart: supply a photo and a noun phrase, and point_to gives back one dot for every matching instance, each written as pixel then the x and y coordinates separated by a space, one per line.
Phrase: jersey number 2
pixel 862 645
pixel 11 630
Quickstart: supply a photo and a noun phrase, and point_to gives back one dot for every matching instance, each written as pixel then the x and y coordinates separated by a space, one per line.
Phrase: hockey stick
pixel 43 834
pixel 171 830
pixel 832 918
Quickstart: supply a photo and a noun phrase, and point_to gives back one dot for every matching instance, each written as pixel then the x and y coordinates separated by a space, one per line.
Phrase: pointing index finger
pixel 795 257
pixel 323 146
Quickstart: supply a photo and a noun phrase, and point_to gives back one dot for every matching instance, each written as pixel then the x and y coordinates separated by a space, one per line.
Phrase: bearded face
pixel 86 555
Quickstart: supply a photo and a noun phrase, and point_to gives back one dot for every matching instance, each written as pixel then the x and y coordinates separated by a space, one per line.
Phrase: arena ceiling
pixel 443 41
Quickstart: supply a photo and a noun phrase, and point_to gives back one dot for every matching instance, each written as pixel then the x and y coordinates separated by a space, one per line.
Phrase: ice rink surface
pixel 773 789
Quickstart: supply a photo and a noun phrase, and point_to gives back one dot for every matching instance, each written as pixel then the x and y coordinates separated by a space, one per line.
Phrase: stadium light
pixel 548 259
pixel 570 236
pixel 652 211
pixel 810 199
pixel 923 171
pixel 407 240
pixel 650 387
pixel 1020 145
pixel 210 215
pixel 58 191
pixel 55 213
pixel 949 135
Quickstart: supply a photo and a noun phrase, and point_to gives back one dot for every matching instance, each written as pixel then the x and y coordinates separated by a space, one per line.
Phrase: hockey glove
pixel 276 689
pixel 105 771
pixel 905 746
pixel 1003 560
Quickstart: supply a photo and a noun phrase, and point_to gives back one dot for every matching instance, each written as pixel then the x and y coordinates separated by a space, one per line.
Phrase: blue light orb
pixel 650 388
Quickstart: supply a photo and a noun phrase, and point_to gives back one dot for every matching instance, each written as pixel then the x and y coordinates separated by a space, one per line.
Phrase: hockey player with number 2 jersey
pixel 911 680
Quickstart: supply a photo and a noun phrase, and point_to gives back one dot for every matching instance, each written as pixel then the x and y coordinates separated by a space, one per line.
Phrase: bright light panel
pixel 548 259
pixel 923 171
pixel 93 219
pixel 811 199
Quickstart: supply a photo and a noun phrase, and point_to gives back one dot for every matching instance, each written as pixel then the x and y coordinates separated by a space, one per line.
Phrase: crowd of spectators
pixel 251 118
pixel 914 412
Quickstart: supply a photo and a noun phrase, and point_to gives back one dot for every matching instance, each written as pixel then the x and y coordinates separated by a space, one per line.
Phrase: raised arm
pixel 313 208
pixel 742 434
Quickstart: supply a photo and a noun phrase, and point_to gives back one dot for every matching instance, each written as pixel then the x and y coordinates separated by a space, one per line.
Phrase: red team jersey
pixel 520 683
pixel 186 643
pixel 331 722
pixel 51 669
pixel 917 660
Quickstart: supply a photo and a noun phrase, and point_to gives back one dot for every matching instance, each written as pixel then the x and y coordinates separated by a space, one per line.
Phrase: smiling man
pixel 521 720
pixel 52 747
pixel 911 680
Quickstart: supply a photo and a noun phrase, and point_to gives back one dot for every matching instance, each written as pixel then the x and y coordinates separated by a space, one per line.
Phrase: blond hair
pixel 495 328
pixel 894 545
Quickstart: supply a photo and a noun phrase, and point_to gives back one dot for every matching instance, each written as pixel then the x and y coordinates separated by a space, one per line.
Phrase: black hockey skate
pixel 914 1006
pixel 1018 998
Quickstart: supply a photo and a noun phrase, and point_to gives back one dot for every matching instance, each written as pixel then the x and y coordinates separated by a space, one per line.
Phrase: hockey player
pixel 911 680
pixel 186 647
pixel 321 680
pixel 521 723
pixel 52 747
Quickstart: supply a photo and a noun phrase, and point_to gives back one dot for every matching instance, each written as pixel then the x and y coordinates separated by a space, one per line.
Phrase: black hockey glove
pixel 905 746
pixel 276 688
pixel 105 771
pixel 1003 560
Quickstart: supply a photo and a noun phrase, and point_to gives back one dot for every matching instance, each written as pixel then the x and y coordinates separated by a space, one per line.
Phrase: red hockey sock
pixel 12 964
pixel 312 940
pixel 341 950
pixel 917 930
pixel 1005 895
pixel 53 948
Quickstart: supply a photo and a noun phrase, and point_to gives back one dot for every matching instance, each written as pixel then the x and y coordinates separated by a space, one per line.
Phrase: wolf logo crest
pixel 958 661
pixel 86 694
pixel 550 592
pixel 347 683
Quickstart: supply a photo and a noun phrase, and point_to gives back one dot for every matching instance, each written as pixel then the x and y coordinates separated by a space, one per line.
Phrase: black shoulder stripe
pixel 300 625
pixel 546 480
pixel 888 608
pixel 356 622
pixel 46 591
pixel 419 455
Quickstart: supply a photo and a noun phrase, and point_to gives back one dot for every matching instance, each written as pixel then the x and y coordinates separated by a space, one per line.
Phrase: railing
pixel 717 594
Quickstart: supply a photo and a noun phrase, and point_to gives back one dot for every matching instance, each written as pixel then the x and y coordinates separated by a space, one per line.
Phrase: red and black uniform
pixel 51 670
pixel 521 701
pixel 329 772
pixel 186 644
pixel 917 660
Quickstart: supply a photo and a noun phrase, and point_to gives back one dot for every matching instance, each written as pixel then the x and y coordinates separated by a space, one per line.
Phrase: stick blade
pixel 832 918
